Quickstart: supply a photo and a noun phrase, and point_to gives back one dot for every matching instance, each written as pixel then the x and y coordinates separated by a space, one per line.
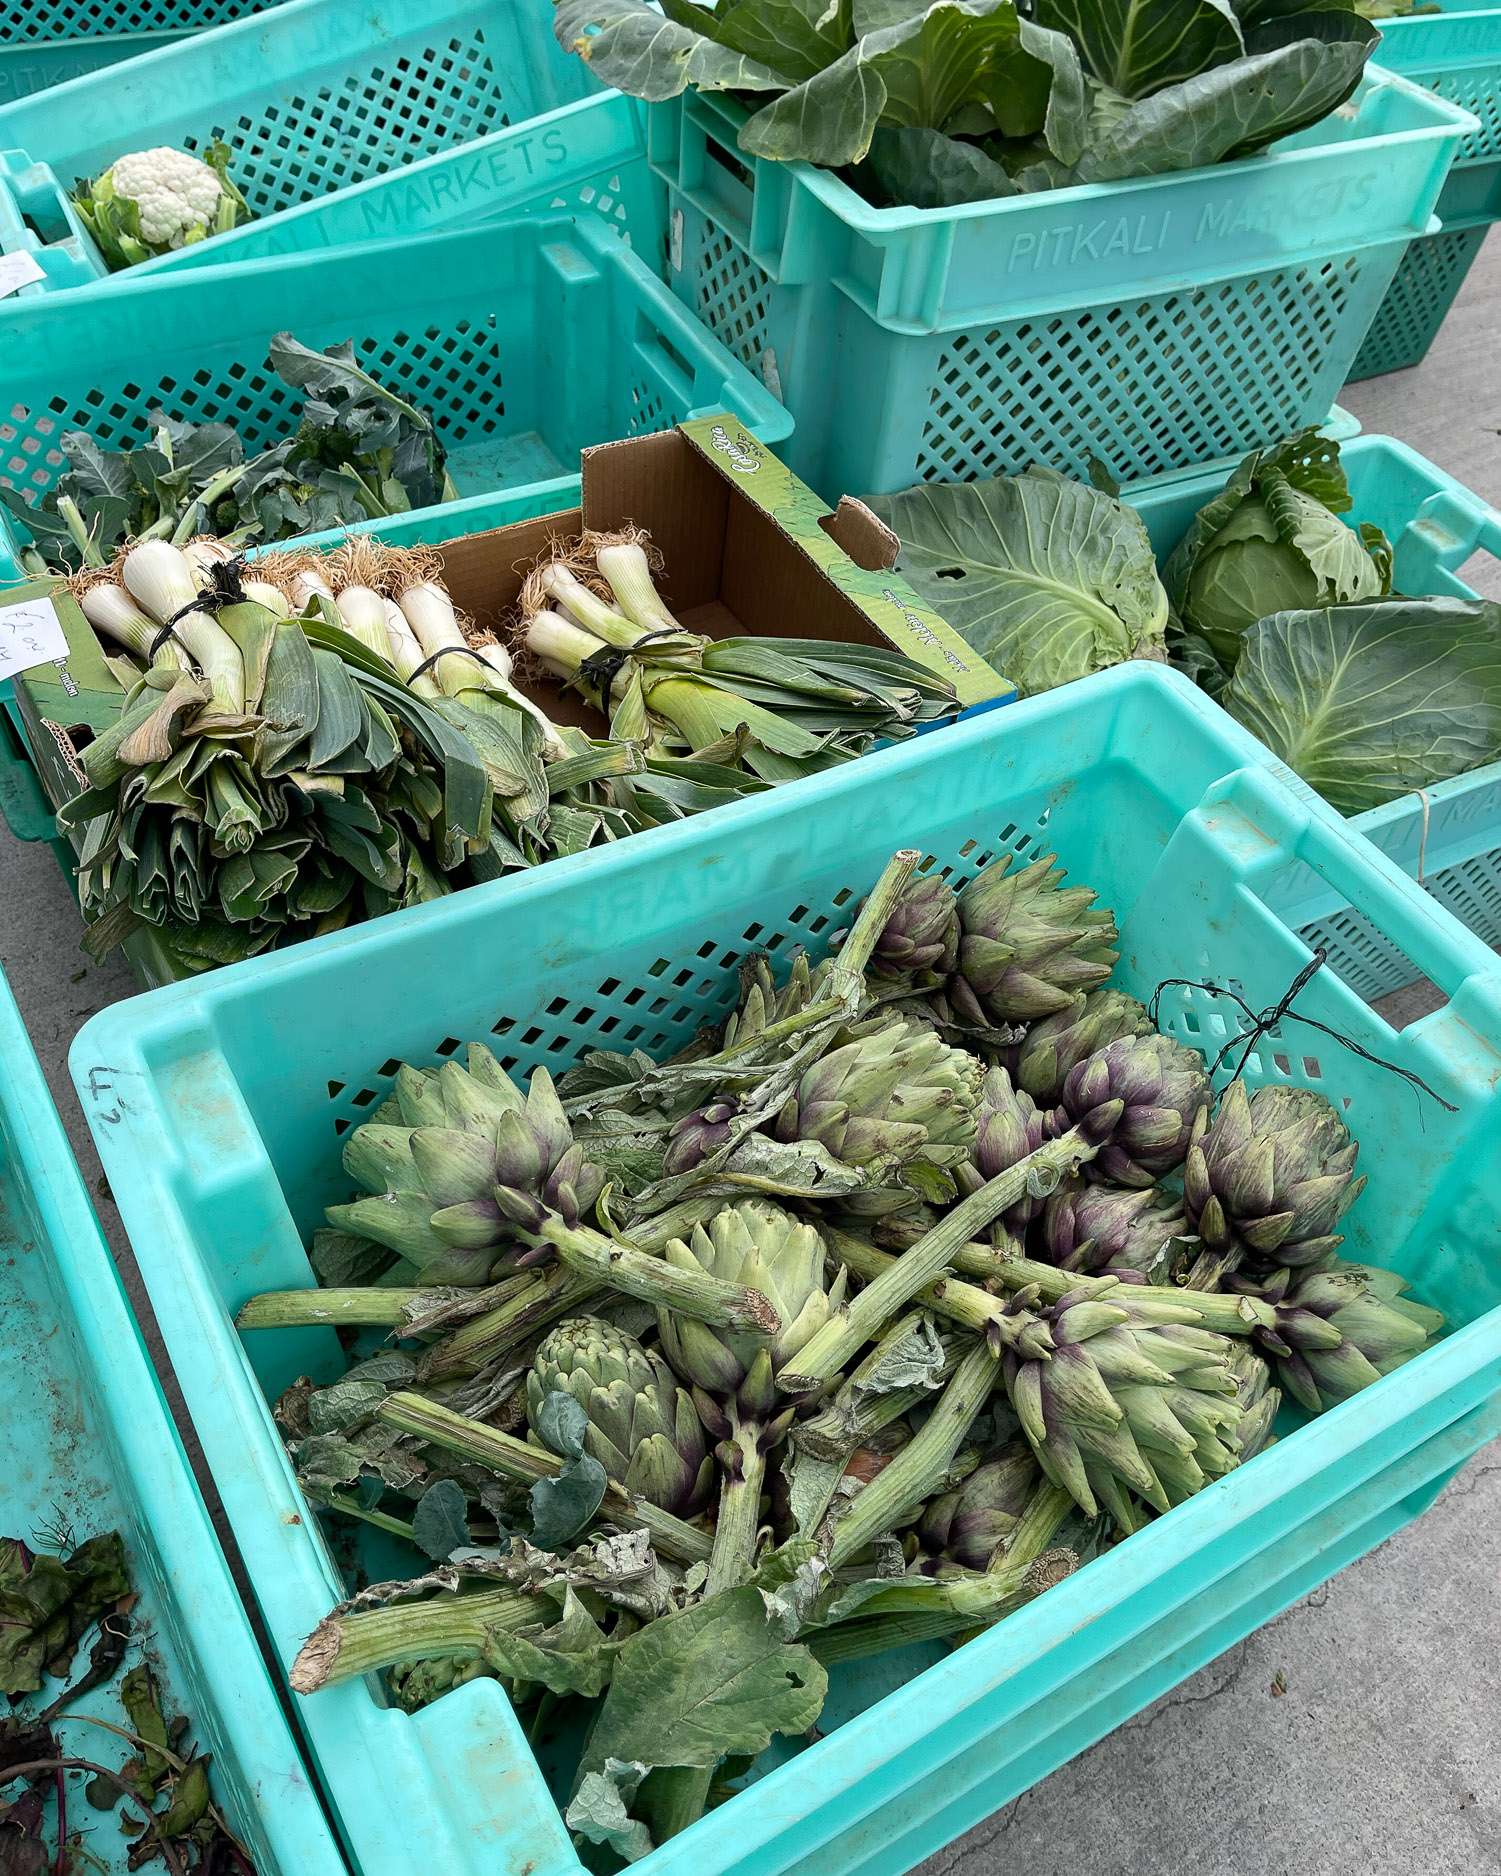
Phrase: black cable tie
pixel 450 651
pixel 1279 1012
pixel 169 632
pixel 602 667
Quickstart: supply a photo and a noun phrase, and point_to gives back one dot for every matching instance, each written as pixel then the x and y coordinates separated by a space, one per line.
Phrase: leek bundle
pixel 593 618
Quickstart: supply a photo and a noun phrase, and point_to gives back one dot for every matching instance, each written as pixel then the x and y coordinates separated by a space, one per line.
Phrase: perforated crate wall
pixel 452 367
pixel 391 107
pixel 1417 303
pixel 86 19
pixel 1147 387
pixel 1474 88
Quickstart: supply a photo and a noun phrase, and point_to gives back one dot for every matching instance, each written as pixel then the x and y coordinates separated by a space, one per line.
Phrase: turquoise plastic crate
pixel 1156 324
pixel 1455 52
pixel 235 1092
pixel 47 42
pixel 1453 847
pixel 527 345
pixel 348 123
pixel 93 1447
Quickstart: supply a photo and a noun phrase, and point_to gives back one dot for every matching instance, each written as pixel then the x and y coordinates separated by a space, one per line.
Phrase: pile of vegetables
pixel 931 103
pixel 1272 603
pixel 313 740
pixel 359 453
pixel 152 202
pixel 160 1796
pixel 859 1322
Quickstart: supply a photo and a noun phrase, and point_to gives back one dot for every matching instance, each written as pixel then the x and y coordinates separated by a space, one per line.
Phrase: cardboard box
pixel 747 550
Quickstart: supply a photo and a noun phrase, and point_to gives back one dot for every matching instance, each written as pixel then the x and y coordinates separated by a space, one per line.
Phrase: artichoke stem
pixel 734 1553
pixel 343 1646
pixel 854 954
pixel 917 1469
pixel 361 1308
pixel 673 1797
pixel 553 1293
pixel 1223 1313
pixel 962 1303
pixel 694 1292
pixel 830 1348
pixel 516 1459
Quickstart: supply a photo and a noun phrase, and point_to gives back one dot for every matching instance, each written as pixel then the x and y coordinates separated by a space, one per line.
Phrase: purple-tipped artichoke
pixel 893 1092
pixel 1118 1403
pixel 1031 945
pixel 964 1526
pixel 1056 1045
pixel 1140 1096
pixel 1094 1228
pixel 699 1134
pixel 1339 1329
pixel 643 1428
pixel 1266 1181
pixel 474 1167
pixel 922 933
pixel 1008 1126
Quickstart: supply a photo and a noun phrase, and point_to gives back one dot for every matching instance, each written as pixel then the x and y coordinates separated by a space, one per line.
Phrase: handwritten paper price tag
pixel 30 634
pixel 17 271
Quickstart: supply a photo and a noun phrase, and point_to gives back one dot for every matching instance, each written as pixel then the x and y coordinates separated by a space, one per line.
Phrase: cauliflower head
pixel 173 192
pixel 152 202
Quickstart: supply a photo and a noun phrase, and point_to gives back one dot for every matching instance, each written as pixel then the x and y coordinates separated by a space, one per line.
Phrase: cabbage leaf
pixel 1370 701
pixel 1048 580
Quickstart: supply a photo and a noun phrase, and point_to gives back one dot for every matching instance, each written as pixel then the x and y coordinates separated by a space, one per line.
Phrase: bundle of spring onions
pixel 309 740
pixel 592 617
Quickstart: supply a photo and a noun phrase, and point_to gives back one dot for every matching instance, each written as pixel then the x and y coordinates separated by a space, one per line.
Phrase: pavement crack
pixel 1465 1487
pixel 1145 1721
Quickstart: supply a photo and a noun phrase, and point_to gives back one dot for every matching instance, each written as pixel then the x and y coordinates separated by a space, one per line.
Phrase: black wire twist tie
pixel 450 651
pixel 602 667
pixel 1278 1012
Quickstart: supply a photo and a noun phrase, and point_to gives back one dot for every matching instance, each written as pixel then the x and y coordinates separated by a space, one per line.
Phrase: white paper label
pixel 17 271
pixel 30 634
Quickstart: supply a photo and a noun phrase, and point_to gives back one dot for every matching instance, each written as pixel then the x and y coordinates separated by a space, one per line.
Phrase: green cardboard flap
pixel 881 594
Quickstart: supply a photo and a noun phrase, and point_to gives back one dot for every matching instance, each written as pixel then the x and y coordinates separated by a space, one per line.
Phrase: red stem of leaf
pixel 61 1867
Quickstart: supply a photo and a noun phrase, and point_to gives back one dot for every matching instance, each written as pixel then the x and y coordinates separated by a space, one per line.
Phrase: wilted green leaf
pixel 440 1522
pixel 713 1679
pixel 600 1809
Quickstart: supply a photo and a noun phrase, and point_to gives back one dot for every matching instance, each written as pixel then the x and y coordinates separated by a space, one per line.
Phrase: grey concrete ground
pixel 1381 1753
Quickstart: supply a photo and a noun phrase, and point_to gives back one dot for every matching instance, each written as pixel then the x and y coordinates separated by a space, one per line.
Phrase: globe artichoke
pixel 643 1428
pixel 1095 1228
pixel 922 932
pixel 1030 946
pixel 1266 1181
pixel 965 1526
pixel 892 1099
pixel 1139 1097
pixel 1123 1402
pixel 473 1169
pixel 1339 1329
pixel 1008 1126
pixel 699 1134
pixel 1057 1044
pixel 733 1373
pixel 1257 1399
